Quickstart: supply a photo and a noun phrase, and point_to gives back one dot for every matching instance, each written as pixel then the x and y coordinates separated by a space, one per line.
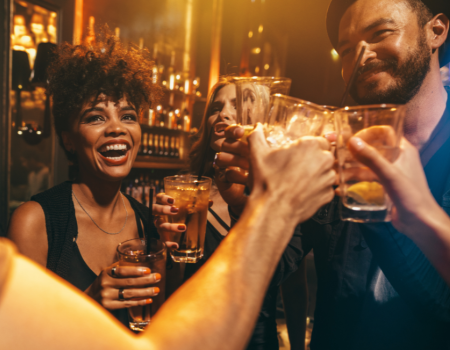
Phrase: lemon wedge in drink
pixel 367 192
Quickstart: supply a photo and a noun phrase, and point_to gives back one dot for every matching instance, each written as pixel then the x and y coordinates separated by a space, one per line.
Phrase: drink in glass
pixel 381 126
pixel 289 119
pixel 133 253
pixel 192 199
pixel 253 97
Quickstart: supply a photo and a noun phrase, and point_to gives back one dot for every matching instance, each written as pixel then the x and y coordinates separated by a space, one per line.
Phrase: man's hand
pixel 403 180
pixel 299 175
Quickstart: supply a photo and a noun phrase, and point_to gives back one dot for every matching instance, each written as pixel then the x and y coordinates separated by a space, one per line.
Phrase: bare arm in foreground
pixel 215 309
pixel 416 213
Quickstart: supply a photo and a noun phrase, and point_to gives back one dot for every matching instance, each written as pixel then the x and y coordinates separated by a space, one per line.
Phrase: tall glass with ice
pixel 133 252
pixel 363 197
pixel 192 198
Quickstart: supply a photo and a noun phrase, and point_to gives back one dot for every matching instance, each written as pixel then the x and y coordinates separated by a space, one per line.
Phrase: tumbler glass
pixel 363 198
pixel 289 119
pixel 133 252
pixel 192 199
pixel 253 98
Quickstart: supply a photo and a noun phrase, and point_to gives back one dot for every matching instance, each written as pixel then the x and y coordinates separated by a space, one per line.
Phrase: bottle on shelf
pixel 146 191
pixel 144 143
pixel 177 147
pixel 150 148
pixel 161 145
pixel 172 147
pixel 156 145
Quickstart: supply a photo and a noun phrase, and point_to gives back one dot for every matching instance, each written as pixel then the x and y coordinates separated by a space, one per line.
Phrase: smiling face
pixel 397 58
pixel 105 136
pixel 222 114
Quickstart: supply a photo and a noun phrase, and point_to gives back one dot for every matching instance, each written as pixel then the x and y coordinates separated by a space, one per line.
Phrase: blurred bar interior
pixel 193 42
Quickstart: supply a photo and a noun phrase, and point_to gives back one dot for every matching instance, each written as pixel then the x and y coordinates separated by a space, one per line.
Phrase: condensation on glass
pixel 32 147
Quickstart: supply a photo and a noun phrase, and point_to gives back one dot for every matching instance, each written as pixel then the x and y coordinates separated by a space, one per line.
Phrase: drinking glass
pixel 192 199
pixel 133 252
pixel 253 98
pixel 289 119
pixel 330 124
pixel 363 198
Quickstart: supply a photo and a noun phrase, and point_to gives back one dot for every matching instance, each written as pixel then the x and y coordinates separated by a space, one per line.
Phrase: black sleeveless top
pixel 264 335
pixel 64 257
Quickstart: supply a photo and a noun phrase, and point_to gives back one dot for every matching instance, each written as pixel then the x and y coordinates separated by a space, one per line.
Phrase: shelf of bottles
pixel 140 181
pixel 166 124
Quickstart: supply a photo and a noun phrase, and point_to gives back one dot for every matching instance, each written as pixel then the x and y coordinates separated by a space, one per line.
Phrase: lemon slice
pixel 365 192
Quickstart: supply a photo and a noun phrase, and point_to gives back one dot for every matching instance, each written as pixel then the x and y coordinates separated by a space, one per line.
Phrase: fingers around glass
pixel 127 294
pixel 113 271
pixel 164 199
pixel 159 209
pixel 121 296
pixel 129 271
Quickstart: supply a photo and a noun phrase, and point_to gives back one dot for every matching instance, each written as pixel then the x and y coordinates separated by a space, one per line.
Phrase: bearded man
pixel 376 289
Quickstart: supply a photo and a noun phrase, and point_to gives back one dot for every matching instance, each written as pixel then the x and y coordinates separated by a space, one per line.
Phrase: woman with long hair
pixel 229 201
pixel 73 229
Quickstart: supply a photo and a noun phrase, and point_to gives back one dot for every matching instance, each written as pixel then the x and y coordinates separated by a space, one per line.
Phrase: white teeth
pixel 115 158
pixel 116 147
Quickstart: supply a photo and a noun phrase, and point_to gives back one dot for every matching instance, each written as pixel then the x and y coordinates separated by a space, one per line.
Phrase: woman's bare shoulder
pixel 28 231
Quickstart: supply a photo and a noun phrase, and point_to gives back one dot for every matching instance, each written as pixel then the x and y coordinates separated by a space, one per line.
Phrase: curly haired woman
pixel 74 228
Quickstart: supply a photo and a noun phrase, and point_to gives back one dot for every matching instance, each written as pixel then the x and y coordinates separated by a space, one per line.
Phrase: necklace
pixel 90 217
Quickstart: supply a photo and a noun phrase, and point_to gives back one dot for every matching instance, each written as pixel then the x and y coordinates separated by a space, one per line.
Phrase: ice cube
pixel 276 137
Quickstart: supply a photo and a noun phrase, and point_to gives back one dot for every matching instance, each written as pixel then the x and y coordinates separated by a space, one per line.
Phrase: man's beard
pixel 408 77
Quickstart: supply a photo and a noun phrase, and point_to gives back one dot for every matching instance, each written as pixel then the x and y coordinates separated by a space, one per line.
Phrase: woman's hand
pixel 164 206
pixel 134 283
pixel 232 169
pixel 405 182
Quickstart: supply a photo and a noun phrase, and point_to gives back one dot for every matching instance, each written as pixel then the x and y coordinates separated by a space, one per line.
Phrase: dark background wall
pixel 298 27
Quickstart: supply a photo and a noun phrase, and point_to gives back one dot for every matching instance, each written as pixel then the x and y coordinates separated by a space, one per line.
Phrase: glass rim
pixel 383 106
pixel 299 100
pixel 178 178
pixel 143 255
pixel 330 108
pixel 260 79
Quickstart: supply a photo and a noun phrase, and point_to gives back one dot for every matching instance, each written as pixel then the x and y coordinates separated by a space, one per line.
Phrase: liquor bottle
pixel 129 188
pixel 150 150
pixel 172 147
pixel 166 146
pixel 134 189
pixel 161 145
pixel 156 145
pixel 177 148
pixel 144 146
pixel 146 192
pixel 157 187
pixel 140 189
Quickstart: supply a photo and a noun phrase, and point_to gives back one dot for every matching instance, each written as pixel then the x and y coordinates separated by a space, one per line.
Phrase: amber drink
pixel 133 253
pixel 192 198
pixel 363 197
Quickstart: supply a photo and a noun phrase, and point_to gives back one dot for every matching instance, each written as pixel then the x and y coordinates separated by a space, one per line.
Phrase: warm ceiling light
pixel 266 67
pixel 261 28
pixel 257 70
pixel 256 50
pixel 250 34
pixel 334 54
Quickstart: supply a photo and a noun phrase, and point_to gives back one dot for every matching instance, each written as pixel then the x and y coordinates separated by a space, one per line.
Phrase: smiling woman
pixel 73 229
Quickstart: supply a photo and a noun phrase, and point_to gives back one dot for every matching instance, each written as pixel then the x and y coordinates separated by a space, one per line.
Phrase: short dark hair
pixel 80 73
pixel 423 12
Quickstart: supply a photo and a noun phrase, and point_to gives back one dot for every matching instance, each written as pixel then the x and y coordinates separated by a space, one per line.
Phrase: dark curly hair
pixel 80 73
